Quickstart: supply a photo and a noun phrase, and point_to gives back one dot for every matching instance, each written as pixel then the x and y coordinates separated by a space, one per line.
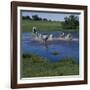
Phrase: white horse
pixel 68 36
pixel 39 36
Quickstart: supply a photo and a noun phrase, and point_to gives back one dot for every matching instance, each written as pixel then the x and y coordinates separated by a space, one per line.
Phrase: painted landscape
pixel 49 44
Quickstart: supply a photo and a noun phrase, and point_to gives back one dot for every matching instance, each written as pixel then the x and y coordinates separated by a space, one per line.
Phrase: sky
pixel 49 16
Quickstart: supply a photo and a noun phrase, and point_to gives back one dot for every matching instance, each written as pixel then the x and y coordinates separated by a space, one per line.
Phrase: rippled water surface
pixel 54 51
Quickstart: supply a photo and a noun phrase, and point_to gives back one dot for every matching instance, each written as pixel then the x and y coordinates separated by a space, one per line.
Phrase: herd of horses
pixel 45 37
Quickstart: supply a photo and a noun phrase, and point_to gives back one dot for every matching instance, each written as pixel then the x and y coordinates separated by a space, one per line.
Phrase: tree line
pixel 34 17
pixel 71 22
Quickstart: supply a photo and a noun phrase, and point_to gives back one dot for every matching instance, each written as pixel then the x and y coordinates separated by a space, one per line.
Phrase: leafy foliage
pixel 26 18
pixel 71 22
pixel 36 17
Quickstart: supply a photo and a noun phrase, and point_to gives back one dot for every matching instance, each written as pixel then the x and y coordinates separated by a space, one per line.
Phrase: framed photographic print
pixel 48 44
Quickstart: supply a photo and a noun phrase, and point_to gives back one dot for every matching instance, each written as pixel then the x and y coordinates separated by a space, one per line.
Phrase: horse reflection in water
pixel 42 38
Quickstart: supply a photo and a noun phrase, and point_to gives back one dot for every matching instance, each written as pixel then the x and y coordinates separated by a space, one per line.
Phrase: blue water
pixel 66 49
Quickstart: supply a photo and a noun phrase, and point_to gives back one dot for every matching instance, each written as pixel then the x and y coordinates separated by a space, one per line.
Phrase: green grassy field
pixel 35 66
pixel 26 26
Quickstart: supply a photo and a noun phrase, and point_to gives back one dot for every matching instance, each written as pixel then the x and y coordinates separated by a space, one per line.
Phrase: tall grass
pixel 27 25
pixel 36 66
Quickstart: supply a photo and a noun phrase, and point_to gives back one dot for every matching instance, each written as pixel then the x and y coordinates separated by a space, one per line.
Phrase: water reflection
pixel 51 50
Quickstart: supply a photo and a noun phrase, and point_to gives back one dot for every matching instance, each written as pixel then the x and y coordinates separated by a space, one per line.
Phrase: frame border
pixel 14 5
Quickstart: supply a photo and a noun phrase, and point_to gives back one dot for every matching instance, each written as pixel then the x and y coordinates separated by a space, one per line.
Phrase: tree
pixel 36 17
pixel 45 19
pixel 26 17
pixel 71 22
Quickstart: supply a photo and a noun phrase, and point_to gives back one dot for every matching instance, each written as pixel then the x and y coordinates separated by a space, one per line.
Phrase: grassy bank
pixel 35 66
pixel 26 26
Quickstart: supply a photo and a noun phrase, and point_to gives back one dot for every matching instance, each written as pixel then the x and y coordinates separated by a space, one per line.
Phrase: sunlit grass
pixel 27 25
